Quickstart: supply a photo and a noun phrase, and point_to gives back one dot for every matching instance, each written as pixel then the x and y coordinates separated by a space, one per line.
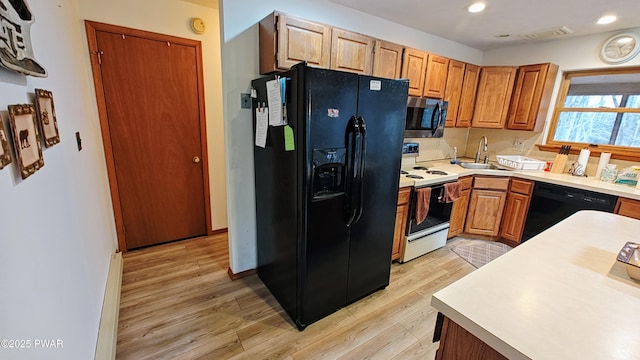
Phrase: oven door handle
pixel 361 167
pixel 353 134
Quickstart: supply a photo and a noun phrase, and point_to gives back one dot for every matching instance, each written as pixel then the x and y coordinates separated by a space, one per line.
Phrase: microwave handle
pixel 434 127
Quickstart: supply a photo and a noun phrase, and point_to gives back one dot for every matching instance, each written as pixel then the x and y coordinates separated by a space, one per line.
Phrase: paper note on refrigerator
pixel 262 124
pixel 289 142
pixel 274 99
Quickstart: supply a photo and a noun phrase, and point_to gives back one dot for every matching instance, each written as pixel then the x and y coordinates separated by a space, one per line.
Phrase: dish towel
pixel 423 196
pixel 451 192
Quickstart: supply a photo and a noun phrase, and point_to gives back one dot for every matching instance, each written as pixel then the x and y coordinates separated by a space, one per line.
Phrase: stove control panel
pixel 410 149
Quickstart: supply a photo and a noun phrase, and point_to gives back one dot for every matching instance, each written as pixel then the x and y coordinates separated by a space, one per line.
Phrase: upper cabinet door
pixel 351 52
pixel 436 76
pixel 286 41
pixel 468 95
pixel 414 65
pixel 531 97
pixel 453 91
pixel 302 40
pixel 387 60
pixel 493 96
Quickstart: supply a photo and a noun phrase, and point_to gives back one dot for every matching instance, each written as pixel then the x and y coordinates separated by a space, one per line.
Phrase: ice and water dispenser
pixel 328 172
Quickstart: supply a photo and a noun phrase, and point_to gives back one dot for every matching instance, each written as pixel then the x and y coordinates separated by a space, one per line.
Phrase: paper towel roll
pixel 583 159
pixel 604 161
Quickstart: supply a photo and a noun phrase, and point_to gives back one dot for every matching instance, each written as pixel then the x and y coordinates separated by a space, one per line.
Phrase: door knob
pixel 196 160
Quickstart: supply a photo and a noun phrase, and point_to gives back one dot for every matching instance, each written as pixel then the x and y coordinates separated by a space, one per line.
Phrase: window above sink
pixel 599 109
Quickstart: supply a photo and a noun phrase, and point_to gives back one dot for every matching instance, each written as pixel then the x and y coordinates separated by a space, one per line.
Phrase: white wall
pixel 240 66
pixel 56 227
pixel 171 17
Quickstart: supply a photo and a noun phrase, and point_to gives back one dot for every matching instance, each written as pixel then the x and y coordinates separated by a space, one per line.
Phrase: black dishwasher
pixel 552 203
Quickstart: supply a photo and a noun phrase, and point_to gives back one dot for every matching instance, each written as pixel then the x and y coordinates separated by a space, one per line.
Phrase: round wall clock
pixel 198 26
pixel 620 48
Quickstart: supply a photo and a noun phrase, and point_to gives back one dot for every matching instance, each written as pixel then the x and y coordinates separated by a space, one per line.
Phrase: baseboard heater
pixel 108 331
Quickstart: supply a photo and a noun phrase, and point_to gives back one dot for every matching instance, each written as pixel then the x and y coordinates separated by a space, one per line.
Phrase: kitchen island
pixel 560 295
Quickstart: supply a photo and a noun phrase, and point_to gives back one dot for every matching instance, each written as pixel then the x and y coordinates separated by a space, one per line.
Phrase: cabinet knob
pixel 196 160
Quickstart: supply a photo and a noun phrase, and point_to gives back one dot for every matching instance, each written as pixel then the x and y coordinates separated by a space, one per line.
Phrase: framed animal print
pixel 26 139
pixel 47 117
pixel 5 154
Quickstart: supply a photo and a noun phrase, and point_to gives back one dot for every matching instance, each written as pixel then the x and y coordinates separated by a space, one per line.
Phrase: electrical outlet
pixel 245 101
pixel 518 145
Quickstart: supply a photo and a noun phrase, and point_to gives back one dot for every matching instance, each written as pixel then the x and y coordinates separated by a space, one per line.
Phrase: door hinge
pixel 98 53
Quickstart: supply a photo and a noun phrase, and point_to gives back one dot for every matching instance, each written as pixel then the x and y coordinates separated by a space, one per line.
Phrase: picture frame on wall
pixel 26 139
pixel 5 154
pixel 46 115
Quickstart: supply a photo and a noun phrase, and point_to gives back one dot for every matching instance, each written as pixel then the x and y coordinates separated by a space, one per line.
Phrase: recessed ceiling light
pixel 476 7
pixel 608 19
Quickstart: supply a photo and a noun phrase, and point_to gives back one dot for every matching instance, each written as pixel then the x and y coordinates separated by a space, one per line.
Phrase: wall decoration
pixel 5 153
pixel 16 53
pixel 47 117
pixel 26 138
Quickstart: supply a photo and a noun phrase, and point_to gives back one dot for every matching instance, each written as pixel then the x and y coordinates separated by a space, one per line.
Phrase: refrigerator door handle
pixel 353 133
pixel 361 167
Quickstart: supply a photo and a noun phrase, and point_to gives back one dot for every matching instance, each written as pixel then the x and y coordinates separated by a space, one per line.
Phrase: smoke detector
pixel 548 34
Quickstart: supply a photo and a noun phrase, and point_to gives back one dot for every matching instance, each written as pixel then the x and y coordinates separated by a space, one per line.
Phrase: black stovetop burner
pixel 420 168
pixel 414 176
pixel 403 172
pixel 436 172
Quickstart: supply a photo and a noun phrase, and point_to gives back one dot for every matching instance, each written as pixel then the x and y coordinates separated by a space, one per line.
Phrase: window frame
pixel 617 152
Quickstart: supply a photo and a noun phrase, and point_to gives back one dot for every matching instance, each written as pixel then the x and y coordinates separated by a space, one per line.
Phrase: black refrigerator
pixel 326 202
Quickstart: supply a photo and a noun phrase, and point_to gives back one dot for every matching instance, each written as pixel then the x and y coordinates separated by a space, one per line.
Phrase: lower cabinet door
pixel 515 215
pixel 485 212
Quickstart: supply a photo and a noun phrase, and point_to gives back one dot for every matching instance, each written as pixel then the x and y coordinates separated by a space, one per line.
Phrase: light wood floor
pixel 178 302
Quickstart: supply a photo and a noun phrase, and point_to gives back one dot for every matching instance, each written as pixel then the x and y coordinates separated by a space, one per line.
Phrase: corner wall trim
pixel 240 274
pixel 108 331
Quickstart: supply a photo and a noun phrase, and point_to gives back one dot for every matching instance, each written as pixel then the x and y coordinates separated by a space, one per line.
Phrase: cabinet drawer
pixel 628 207
pixel 520 186
pixel 465 182
pixel 496 183
pixel 404 195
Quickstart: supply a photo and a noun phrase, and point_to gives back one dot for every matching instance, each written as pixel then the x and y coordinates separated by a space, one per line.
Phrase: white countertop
pixel 560 295
pixel 586 183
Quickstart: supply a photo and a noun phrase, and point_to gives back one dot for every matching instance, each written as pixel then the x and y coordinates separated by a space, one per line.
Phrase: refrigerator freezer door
pixel 382 107
pixel 331 100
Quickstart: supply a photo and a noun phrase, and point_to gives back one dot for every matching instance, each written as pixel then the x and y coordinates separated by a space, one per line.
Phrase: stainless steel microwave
pixel 425 118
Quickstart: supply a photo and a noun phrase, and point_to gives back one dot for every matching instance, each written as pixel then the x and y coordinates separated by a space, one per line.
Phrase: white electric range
pixel 431 233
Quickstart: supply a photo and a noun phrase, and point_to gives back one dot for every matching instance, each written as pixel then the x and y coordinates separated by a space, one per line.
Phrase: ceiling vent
pixel 548 34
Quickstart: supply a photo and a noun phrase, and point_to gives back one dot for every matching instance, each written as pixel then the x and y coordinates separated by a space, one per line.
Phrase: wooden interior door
pixel 149 90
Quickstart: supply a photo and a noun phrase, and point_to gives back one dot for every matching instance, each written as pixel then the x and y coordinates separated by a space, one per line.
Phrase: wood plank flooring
pixel 178 302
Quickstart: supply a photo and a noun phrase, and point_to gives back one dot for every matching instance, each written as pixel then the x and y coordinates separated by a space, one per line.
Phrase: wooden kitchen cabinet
pixel 453 91
pixel 460 207
pixel 486 205
pixel 387 59
pixel 516 209
pixel 435 80
pixel 532 96
pixel 351 52
pixel 414 65
pixel 402 212
pixel 468 95
pixel 493 96
pixel 458 343
pixel 286 41
pixel 628 207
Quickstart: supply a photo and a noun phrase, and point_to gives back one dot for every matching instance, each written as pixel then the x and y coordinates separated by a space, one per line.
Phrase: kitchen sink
pixel 475 165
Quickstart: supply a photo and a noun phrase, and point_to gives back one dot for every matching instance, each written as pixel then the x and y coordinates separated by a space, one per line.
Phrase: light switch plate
pixel 245 101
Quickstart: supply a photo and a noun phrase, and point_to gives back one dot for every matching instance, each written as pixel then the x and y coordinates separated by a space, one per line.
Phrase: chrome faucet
pixel 486 158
